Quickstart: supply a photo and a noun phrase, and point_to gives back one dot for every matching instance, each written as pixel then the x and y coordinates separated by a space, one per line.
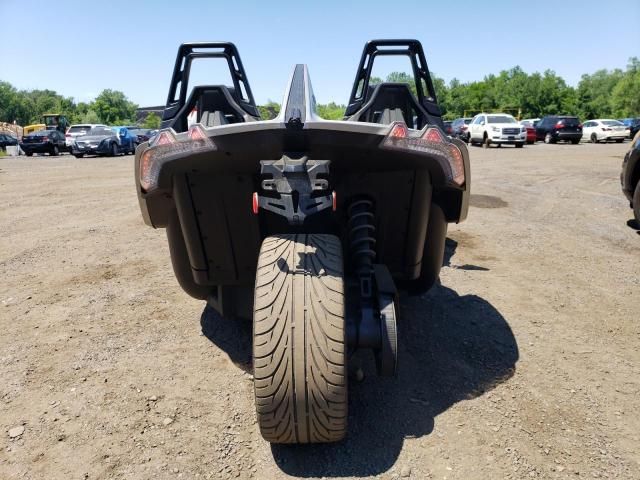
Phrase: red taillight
pixel 45 139
pixel 255 203
pixel 433 135
pixel 399 130
pixel 431 142
pixel 579 126
pixel 164 138
pixel 559 125
pixel 196 132
pixel 165 144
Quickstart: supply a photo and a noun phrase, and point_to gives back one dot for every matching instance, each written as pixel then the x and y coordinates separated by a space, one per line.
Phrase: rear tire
pixel 28 154
pixel 114 150
pixel 486 142
pixel 55 151
pixel 594 138
pixel 79 155
pixel 519 145
pixel 619 140
pixel 575 142
pixel 299 344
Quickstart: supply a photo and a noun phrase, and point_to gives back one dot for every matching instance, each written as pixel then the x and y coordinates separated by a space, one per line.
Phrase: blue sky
pixel 131 45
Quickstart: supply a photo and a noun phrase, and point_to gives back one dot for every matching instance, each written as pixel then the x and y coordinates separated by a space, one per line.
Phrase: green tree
pixel 270 110
pixel 90 116
pixel 625 96
pixel 331 111
pixel 113 107
pixel 595 93
pixel 151 121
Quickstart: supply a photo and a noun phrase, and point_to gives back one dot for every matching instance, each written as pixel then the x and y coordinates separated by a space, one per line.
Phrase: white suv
pixel 498 128
pixel 78 130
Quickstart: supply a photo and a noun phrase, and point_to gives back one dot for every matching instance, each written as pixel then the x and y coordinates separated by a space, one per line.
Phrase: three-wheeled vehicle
pixel 303 224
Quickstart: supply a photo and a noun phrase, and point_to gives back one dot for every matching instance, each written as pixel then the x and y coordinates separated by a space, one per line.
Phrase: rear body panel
pixel 204 198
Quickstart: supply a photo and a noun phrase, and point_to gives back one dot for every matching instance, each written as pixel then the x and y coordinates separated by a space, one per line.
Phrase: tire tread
pixel 300 376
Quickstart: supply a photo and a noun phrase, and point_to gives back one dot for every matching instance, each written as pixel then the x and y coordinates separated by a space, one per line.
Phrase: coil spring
pixel 362 240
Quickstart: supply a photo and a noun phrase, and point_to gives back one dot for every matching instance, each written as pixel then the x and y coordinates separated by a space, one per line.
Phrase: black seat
pixel 391 102
pixel 215 108
pixel 215 105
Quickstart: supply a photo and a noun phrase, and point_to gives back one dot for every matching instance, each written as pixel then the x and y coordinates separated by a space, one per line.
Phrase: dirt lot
pixel 524 363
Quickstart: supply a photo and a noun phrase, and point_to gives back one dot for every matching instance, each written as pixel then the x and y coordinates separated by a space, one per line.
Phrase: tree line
pixel 603 94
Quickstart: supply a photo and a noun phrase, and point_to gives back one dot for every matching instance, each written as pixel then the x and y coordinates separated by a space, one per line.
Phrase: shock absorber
pixel 362 244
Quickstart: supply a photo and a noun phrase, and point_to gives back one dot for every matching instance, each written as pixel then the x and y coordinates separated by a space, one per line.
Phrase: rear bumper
pixel 36 147
pixel 567 135
pixel 615 135
pixel 88 150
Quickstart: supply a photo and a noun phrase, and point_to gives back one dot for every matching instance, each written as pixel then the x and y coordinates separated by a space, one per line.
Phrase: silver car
pixel 78 130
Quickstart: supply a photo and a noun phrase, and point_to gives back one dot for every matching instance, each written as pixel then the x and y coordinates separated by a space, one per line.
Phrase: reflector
pixel 196 132
pixel 399 130
pixel 164 137
pixel 433 135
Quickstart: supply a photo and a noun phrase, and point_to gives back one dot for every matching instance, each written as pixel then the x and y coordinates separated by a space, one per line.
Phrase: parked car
pixel 104 141
pixel 530 122
pixel 553 128
pixel 460 128
pixel 498 128
pixel 603 130
pixel 78 130
pixel 43 141
pixel 633 124
pixel 7 140
pixel 143 134
pixel 531 131
pixel 630 176
pixel 447 127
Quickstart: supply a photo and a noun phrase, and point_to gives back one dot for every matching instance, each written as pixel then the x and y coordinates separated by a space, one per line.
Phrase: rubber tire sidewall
pixel 636 203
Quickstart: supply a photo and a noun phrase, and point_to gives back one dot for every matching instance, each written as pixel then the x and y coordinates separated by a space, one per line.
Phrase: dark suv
pixel 553 128
pixel 630 176
pixel 459 128
pixel 633 124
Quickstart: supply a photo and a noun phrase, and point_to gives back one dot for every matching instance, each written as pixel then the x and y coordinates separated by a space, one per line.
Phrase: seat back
pixel 392 102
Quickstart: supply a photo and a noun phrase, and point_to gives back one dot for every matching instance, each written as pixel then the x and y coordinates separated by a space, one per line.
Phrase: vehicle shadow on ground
pixel 450 247
pixel 634 224
pixel 452 348
pixel 232 336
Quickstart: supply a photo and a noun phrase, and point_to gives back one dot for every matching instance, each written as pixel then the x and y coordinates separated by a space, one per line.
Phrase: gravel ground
pixel 523 363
